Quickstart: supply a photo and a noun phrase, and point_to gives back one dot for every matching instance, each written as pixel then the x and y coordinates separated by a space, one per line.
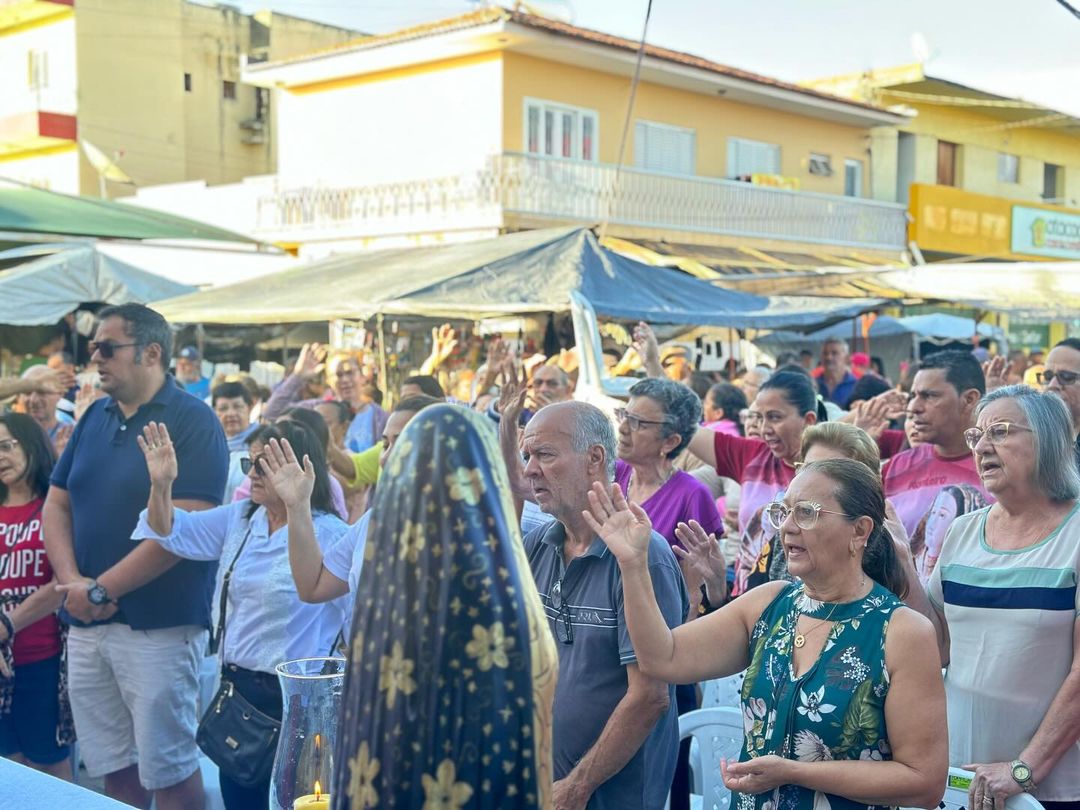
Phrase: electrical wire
pixel 626 123
pixel 1069 8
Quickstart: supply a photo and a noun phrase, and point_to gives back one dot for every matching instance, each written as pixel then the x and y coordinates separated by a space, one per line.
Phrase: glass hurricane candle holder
pixel 303 767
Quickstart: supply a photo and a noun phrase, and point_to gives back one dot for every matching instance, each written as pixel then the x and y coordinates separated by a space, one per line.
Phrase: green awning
pixel 39 213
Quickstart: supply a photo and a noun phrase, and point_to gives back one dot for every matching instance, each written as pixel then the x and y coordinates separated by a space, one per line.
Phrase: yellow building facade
pixel 971 162
pixel 154 85
pixel 522 122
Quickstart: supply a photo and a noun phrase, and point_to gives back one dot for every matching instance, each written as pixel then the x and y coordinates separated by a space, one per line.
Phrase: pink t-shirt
pixel 913 481
pixel 763 477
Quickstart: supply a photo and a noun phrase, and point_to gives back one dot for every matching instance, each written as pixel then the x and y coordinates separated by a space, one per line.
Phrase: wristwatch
pixel 1021 772
pixel 97 595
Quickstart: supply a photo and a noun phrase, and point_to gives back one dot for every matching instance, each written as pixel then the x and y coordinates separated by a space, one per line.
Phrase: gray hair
pixel 593 427
pixel 1052 431
pixel 682 408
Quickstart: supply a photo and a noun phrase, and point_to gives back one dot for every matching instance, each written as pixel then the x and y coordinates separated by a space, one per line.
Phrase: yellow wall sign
pixel 775 181
pixel 949 220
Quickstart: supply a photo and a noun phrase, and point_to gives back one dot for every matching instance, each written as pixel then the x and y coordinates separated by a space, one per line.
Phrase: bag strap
pixel 219 635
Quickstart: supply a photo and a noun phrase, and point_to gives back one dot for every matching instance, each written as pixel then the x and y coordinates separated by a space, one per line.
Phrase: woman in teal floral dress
pixel 843 702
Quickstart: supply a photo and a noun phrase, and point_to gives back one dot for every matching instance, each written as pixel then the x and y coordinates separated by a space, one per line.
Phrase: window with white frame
pixel 1008 168
pixel 37 69
pixel 746 157
pixel 664 148
pixel 559 130
pixel 853 178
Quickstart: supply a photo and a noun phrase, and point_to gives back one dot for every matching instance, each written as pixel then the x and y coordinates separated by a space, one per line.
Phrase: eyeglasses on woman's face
pixel 635 422
pixel 804 513
pixel 250 466
pixel 8 447
pixel 995 433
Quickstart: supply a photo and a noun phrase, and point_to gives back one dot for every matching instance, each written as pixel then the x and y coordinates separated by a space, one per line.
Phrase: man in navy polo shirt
pixel 614 730
pixel 139 615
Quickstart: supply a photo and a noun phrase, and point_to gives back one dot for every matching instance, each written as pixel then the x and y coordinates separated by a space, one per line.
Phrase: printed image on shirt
pixel 951 502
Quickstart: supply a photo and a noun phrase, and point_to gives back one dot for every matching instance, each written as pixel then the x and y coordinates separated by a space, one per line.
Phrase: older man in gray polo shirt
pixel 615 735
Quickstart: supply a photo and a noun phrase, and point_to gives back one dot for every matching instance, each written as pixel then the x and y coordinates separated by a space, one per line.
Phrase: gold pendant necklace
pixel 800 638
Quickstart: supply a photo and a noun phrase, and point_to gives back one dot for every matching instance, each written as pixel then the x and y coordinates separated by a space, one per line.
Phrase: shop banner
pixel 1042 232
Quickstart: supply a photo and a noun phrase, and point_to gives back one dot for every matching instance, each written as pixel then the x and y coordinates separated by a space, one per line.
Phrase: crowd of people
pixel 529 590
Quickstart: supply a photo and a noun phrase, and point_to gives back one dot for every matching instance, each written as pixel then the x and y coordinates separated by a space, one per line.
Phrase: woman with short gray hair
pixel 1004 601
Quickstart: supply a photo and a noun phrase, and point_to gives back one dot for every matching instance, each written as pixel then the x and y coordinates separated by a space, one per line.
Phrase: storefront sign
pixel 1042 232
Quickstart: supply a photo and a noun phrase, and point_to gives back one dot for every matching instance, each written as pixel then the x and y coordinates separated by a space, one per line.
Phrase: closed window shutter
pixel 664 148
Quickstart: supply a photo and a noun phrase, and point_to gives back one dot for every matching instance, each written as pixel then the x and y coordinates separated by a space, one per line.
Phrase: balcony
pixel 515 190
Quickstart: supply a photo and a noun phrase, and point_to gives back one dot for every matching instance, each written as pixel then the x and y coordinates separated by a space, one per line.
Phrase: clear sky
pixel 1024 48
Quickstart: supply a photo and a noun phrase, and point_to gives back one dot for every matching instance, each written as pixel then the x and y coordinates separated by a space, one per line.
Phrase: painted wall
pixel 214 39
pixel 713 119
pixel 981 139
pixel 56 170
pixel 56 39
pixel 430 121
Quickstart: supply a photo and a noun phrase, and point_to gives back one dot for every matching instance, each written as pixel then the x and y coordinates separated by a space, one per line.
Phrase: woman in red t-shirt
pixel 30 641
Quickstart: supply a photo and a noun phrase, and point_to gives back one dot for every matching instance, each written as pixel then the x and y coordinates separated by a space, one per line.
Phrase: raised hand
pixel 292 483
pixel 996 370
pixel 53 381
pixel 512 394
pixel 311 362
pixel 644 342
pixel 160 454
pixel 704 558
pixel 84 399
pixel 624 527
pixel 63 436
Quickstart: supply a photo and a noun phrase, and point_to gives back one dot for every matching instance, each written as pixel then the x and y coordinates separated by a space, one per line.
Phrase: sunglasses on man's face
pixel 1063 377
pixel 107 349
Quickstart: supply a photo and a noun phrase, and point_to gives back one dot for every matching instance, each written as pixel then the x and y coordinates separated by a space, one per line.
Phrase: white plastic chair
pixel 718 733
pixel 723 691
pixel 956 794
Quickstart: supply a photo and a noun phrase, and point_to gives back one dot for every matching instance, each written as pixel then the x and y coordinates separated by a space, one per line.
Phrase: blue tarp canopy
pixel 518 274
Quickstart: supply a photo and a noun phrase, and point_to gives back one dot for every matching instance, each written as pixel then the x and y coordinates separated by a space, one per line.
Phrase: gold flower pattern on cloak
pixel 466 485
pixel 396 674
pixel 412 541
pixel 362 773
pixel 489 647
pixel 444 792
pixel 423 700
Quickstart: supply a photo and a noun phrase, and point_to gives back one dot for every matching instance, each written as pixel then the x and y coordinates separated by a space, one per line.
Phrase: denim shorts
pixel 30 728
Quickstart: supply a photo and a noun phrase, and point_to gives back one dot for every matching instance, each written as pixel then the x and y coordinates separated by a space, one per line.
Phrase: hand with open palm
pixel 160 454
pixel 292 483
pixel 624 527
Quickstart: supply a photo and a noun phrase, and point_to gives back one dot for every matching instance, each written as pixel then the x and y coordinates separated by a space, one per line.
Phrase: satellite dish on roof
pixel 920 48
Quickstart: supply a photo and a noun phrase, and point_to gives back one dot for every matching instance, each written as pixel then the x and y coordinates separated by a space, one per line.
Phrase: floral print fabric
pixel 452 666
pixel 835 710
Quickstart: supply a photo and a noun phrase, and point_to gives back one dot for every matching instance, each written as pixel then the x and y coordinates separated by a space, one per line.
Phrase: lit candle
pixel 313 801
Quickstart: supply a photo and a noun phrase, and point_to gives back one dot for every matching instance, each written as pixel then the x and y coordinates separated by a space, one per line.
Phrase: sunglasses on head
pixel 107 349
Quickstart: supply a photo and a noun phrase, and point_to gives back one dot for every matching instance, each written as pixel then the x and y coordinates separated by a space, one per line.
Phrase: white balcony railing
pixel 577 191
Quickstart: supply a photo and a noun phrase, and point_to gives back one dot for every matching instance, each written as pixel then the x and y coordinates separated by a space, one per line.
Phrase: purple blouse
pixel 682 498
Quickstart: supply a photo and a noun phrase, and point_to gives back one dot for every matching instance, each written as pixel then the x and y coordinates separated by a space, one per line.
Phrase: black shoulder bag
pixel 236 736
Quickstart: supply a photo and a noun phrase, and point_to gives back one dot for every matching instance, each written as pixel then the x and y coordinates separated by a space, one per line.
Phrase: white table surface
pixel 21 786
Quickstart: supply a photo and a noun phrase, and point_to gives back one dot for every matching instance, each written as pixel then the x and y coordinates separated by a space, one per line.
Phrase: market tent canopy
pixel 30 214
pixel 193 265
pixel 942 326
pixel 1037 290
pixel 517 274
pixel 45 290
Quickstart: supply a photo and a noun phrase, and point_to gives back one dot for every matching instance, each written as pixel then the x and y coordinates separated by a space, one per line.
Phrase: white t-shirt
pixel 1011 618
pixel 345 559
